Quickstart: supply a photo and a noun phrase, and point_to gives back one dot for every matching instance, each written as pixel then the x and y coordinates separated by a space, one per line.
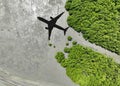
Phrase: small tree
pixel 50 44
pixel 54 46
pixel 60 56
pixel 67 50
pixel 69 38
pixel 74 42
pixel 67 44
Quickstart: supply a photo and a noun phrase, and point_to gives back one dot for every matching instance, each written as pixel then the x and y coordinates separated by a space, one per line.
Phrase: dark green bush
pixel 67 44
pixel 69 38
pixel 60 57
pixel 74 42
pixel 50 44
pixel 67 50
pixel 54 46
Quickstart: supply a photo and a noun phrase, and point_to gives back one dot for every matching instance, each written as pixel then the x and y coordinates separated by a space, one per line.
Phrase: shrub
pixel 54 46
pixel 67 44
pixel 74 42
pixel 59 57
pixel 50 44
pixel 67 50
pixel 69 38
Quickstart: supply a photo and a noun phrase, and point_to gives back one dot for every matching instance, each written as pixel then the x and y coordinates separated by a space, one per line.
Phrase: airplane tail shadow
pixel 66 30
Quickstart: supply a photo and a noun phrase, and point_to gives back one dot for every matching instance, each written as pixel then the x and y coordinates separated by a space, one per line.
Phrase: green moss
pixel 69 38
pixel 89 68
pixel 98 20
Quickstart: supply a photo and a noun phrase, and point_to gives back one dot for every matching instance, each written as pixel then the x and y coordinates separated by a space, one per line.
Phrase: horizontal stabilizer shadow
pixel 52 23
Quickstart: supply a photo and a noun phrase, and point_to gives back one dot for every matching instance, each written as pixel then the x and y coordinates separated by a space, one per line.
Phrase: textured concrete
pixel 24 50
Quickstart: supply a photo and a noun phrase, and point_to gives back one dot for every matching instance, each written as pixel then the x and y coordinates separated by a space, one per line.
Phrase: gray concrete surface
pixel 25 57
pixel 24 50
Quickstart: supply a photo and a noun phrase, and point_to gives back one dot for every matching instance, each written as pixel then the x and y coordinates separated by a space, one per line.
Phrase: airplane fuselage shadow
pixel 52 24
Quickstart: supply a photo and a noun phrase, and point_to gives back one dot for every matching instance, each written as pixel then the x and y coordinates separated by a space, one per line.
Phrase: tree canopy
pixel 89 68
pixel 98 20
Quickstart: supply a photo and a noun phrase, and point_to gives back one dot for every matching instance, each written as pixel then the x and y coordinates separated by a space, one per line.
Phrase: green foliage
pixel 67 50
pixel 67 44
pixel 98 20
pixel 69 38
pixel 60 57
pixel 50 44
pixel 54 46
pixel 89 68
pixel 74 42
